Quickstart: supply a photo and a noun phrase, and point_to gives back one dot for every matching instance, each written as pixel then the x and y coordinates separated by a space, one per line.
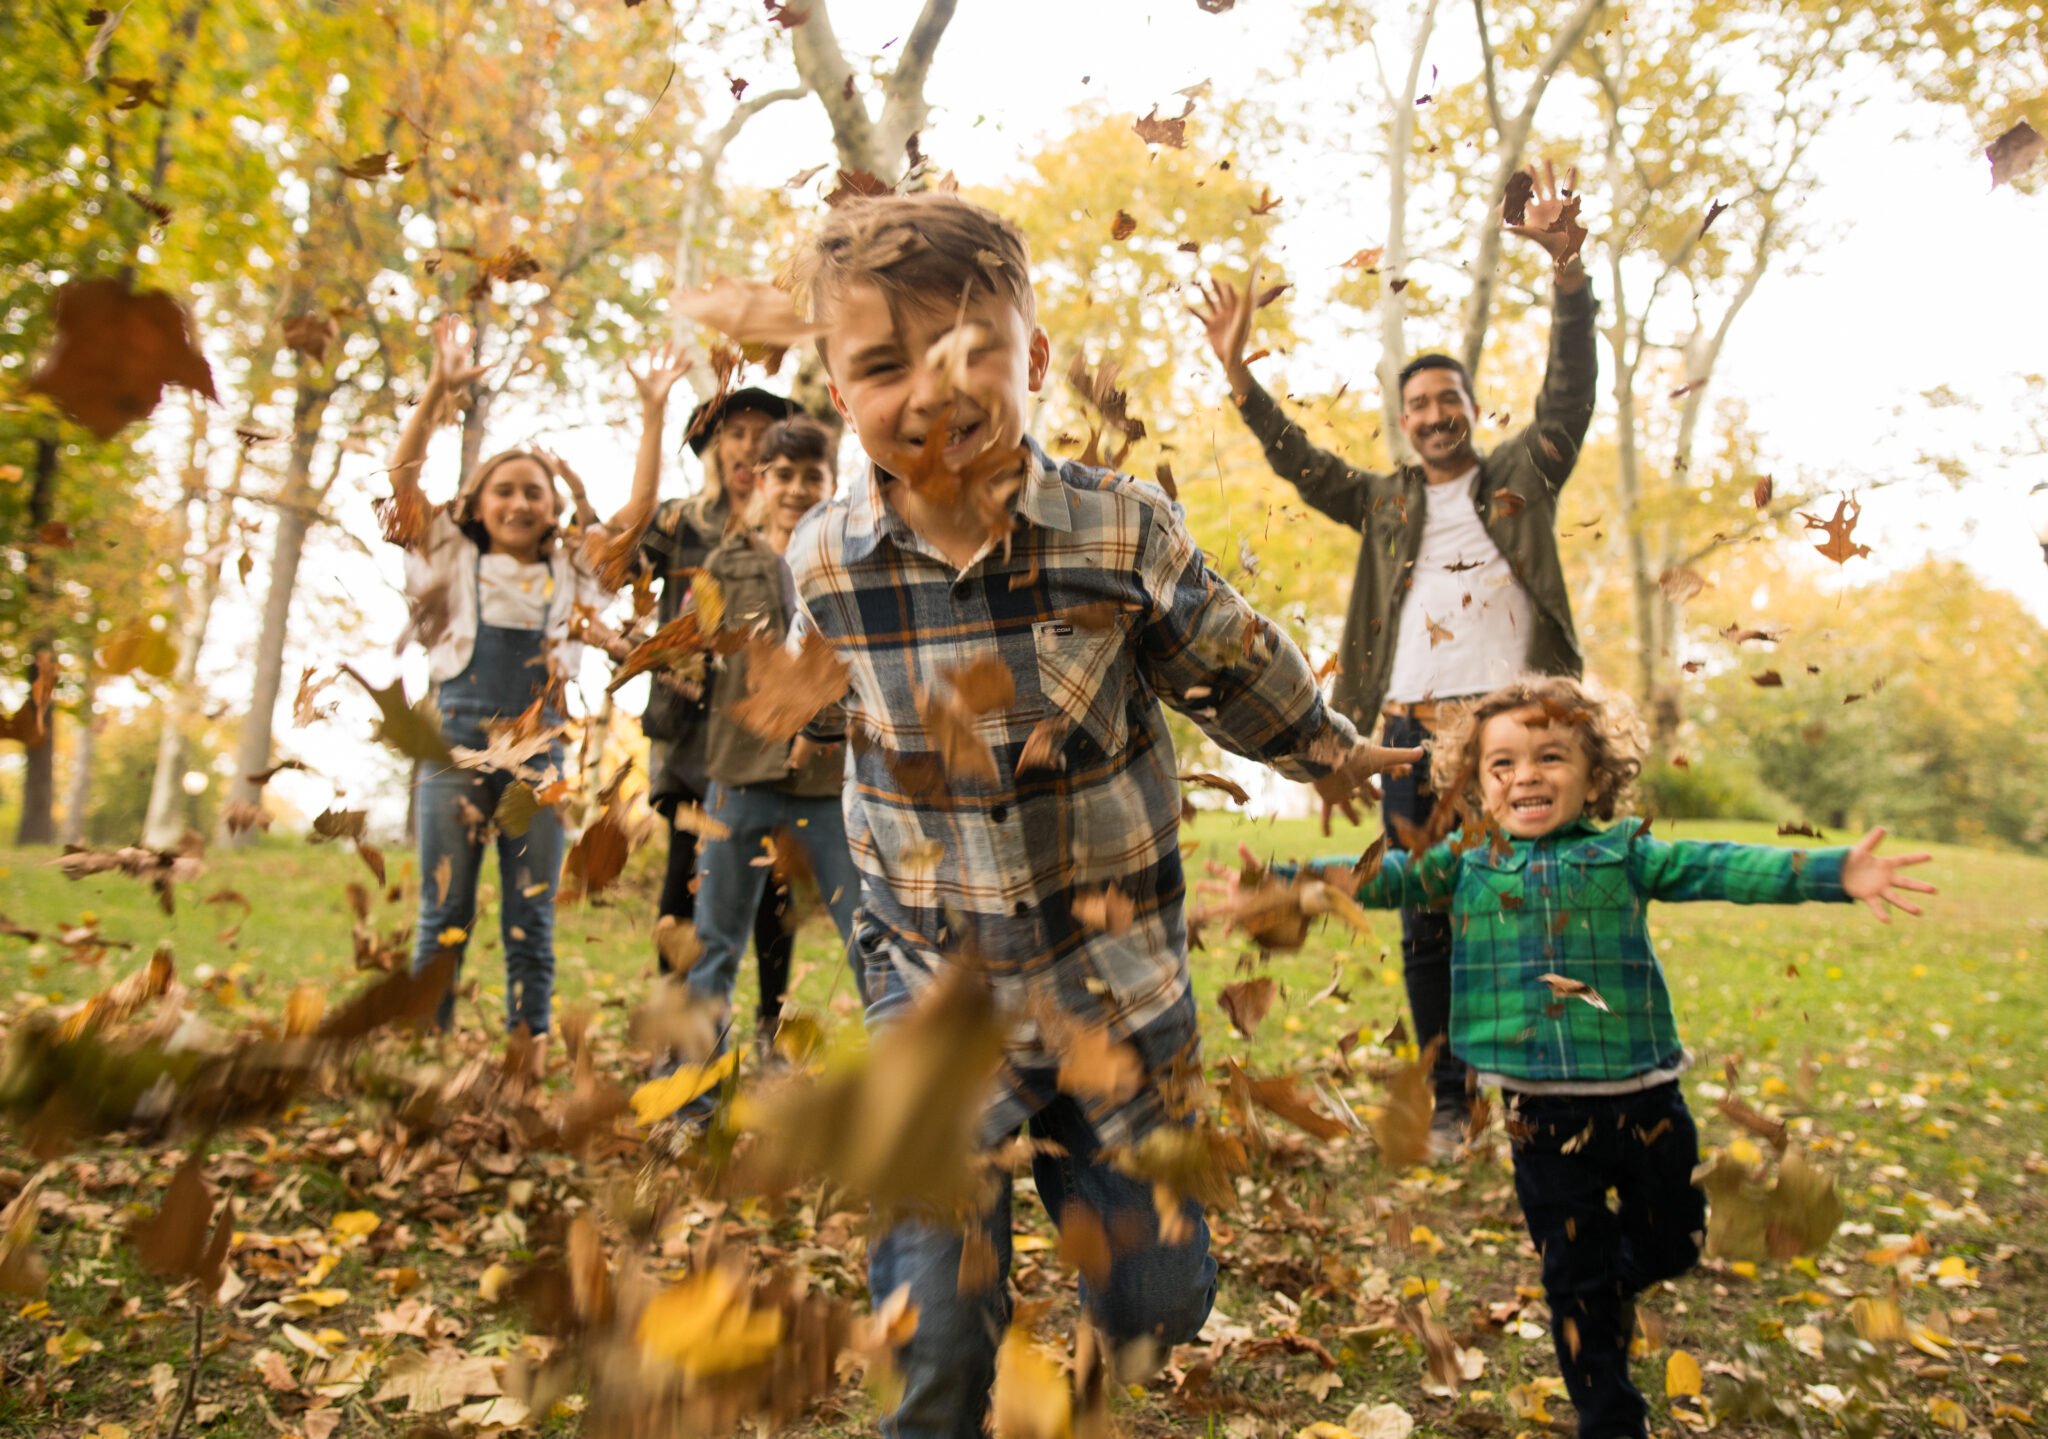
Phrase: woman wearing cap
pixel 725 433
pixel 494 592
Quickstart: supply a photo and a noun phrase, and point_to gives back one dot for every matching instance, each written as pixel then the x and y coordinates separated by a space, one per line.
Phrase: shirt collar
pixel 1043 501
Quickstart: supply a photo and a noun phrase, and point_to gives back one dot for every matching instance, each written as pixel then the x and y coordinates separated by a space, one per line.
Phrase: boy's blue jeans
pixel 1644 1147
pixel 529 866
pixel 1156 1292
pixel 730 884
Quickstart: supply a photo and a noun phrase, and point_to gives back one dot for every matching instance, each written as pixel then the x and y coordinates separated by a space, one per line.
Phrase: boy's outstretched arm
pixel 1207 653
pixel 665 365
pixel 1766 874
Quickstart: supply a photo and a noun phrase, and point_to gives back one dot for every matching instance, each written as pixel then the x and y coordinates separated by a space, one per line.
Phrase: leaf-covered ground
pixel 1908 1059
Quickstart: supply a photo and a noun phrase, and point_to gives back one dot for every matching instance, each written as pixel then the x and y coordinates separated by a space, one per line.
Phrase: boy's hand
pixel 452 369
pixel 1340 788
pixel 1226 314
pixel 1226 885
pixel 1875 878
pixel 665 365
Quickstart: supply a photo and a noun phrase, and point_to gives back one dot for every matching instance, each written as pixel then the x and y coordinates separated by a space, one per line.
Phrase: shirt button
pixel 999 813
pixel 1021 908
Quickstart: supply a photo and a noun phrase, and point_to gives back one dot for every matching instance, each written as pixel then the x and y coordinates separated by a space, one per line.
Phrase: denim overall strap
pixel 507 671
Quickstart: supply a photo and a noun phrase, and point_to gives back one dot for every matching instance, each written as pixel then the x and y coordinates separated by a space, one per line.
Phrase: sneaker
pixel 1446 1134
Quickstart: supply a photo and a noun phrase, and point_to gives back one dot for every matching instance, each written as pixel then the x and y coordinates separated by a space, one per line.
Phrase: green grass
pixel 1910 1057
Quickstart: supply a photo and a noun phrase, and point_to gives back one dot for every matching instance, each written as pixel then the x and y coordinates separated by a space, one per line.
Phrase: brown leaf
pixel 1096 1066
pixel 114 352
pixel 749 312
pixel 29 724
pixel 402 997
pixel 1565 987
pixel 1267 202
pixel 1123 226
pixel 174 1241
pixel 1206 780
pixel 1681 584
pixel 2013 153
pixel 1402 1125
pixel 1514 204
pixel 1247 1001
pixel 852 184
pixel 1042 748
pixel 1283 1095
pixel 310 334
pixel 414 730
pixel 1838 546
pixel 1109 911
pixel 1171 132
pixel 785 691
pixel 1768 680
pixel 1762 493
pixel 1367 261
pixel 335 824
pixel 1567 224
pixel 1084 1242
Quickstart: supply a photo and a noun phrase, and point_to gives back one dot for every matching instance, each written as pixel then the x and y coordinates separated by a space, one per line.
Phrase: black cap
pixel 703 426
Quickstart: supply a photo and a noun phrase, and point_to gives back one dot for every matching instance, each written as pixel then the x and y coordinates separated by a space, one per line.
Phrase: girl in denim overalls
pixel 494 592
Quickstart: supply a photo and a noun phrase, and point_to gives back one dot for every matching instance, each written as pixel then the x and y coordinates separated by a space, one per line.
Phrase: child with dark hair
pixel 494 593
pixel 1548 912
pixel 764 790
pixel 1056 607
pixel 725 434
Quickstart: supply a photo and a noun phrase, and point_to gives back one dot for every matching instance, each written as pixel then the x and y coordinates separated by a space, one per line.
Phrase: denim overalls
pixel 507 671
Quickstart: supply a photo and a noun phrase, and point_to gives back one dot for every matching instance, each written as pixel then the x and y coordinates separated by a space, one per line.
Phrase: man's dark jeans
pixel 1569 1151
pixel 1425 933
pixel 773 943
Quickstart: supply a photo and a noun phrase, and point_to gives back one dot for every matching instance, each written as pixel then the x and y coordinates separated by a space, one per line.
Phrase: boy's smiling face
pixel 1535 774
pixel 894 374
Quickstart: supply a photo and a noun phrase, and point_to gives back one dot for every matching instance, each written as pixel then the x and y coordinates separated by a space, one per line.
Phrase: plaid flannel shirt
pixel 1573 903
pixel 998 865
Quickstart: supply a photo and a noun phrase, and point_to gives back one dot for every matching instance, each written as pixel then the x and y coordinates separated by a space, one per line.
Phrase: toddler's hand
pixel 1875 878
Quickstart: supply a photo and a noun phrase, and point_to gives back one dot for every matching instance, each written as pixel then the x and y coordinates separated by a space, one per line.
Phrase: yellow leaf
pixel 1681 1375
pixel 1031 1399
pixel 354 1223
pixel 706 1325
pixel 307 1301
pixel 1742 1269
pixel 491 1283
pixel 71 1346
pixel 1948 1414
pixel 1323 1429
pixel 452 936
pixel 1878 1320
pixel 659 1098
pixel 303 1008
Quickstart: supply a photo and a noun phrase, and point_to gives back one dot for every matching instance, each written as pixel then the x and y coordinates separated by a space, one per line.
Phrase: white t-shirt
pixel 445 581
pixel 1466 621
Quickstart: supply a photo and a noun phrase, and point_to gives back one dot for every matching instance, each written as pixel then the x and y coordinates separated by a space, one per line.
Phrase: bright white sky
pixel 1926 282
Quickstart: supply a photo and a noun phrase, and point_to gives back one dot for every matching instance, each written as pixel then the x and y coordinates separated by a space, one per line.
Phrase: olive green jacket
pixel 758 599
pixel 1516 499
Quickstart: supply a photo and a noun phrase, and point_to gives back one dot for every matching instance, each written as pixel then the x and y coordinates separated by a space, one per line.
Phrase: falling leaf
pixel 1681 584
pixel 1366 260
pixel 414 730
pixel 1227 786
pixel 114 352
pixel 1838 546
pixel 1567 224
pixel 139 645
pixel 2013 153
pixel 1438 634
pixel 785 690
pixel 174 1242
pixel 1768 680
pixel 1714 209
pixel 1171 132
pixel 854 184
pixel 1761 495
pixel 1094 1065
pixel 1247 1002
pixel 1031 1399
pixel 22 1271
pixel 310 334
pixel 1514 204
pixel 1401 1125
pixel 749 312
pixel 1108 911
pixel 1567 988
pixel 1123 226
pixel 1267 202
pixel 1756 1215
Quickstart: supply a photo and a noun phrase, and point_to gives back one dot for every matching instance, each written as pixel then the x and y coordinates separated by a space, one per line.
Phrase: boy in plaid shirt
pixel 1011 625
pixel 1547 916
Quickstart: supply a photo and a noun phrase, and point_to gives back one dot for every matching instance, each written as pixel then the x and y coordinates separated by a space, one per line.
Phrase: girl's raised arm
pixel 451 371
pixel 665 365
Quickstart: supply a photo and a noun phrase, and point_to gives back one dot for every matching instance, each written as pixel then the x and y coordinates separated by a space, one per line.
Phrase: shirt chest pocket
pixel 1085 677
pixel 1596 882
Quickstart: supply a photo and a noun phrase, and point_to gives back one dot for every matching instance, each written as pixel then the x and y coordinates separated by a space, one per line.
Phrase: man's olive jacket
pixel 1516 499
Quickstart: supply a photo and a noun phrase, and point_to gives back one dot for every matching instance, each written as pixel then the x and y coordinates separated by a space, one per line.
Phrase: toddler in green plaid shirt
pixel 1557 996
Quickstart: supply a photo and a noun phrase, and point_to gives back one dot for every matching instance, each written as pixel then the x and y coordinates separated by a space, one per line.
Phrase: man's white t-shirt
pixel 1466 622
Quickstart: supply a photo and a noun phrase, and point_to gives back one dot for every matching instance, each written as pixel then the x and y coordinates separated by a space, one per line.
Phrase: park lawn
pixel 1908 1059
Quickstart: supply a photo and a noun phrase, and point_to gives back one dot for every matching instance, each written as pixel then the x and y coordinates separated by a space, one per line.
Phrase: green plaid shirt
pixel 1573 903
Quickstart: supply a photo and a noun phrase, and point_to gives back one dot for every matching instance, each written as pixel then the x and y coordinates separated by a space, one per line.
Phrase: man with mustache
pixel 1459 588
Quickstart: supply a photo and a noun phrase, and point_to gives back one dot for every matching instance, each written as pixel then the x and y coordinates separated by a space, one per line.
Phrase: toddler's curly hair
pixel 1606 725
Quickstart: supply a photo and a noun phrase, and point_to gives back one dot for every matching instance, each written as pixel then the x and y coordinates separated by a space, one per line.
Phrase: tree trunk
pixel 294 518
pixel 38 774
pixel 1394 261
pixel 78 793
pixel 162 825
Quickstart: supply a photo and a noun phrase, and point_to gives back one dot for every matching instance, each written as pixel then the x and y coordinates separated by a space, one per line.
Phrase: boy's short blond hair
pixel 924 251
